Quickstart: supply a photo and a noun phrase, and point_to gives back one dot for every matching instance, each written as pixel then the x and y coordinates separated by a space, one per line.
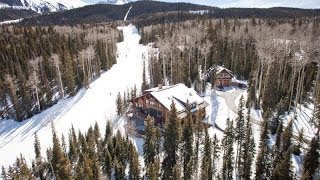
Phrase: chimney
pixel 159 86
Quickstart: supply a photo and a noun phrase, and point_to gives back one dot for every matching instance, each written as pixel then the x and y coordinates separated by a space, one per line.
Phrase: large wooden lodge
pixel 156 102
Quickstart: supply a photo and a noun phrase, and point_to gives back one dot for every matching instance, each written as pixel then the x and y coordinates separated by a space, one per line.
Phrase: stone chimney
pixel 159 86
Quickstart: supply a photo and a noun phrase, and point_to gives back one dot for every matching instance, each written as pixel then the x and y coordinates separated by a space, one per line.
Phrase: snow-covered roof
pixel 179 94
pixel 156 88
pixel 220 69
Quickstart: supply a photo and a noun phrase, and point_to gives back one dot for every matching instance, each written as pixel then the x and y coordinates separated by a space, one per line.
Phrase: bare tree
pixel 34 78
pixel 56 63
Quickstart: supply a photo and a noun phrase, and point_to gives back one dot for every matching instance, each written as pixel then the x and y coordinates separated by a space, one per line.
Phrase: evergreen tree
pixel 134 171
pixel 38 165
pixel 198 133
pixel 263 161
pixel 68 74
pixel 153 170
pixel 239 133
pixel 228 152
pixel 59 161
pixel 187 143
pixel 149 146
pixel 171 143
pixel 286 138
pixel 206 168
pixel 21 169
pixel 119 105
pixel 248 151
pixel 107 163
pixel 73 145
pixel 144 84
pixel 311 162
pixel 119 170
pixel 215 154
pixel 283 168
pixel 108 133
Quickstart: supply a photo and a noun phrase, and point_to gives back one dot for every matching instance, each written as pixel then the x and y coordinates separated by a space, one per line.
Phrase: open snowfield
pixel 96 104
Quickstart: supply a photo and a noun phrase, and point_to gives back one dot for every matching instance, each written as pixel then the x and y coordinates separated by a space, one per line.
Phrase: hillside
pixel 10 14
pixel 142 11
pixel 107 12
pixel 43 6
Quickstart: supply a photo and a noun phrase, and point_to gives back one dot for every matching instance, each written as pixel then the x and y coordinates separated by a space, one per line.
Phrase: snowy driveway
pixel 231 98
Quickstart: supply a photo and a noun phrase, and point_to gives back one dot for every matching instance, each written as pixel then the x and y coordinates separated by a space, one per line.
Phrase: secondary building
pixel 223 77
pixel 156 102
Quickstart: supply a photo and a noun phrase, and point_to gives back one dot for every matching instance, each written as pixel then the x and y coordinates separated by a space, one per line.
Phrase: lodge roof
pixel 179 94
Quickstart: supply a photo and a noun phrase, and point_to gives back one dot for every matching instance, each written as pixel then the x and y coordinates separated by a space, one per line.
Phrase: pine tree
pixel 107 163
pixel 171 143
pixel 215 154
pixel 59 161
pixel 263 162
pixel 311 162
pixel 239 133
pixel 73 145
pixel 119 170
pixel 187 143
pixel 38 165
pixel 21 169
pixel 108 133
pixel 248 151
pixel 149 146
pixel 119 105
pixel 153 170
pixel 144 84
pixel 283 168
pixel 87 170
pixel 63 144
pixel 206 167
pixel 198 134
pixel 134 171
pixel 228 152
pixel 286 138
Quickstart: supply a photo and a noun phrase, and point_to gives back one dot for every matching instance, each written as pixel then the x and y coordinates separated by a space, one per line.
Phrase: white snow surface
pixel 51 5
pixel 96 104
pixel 176 93
pixel 11 21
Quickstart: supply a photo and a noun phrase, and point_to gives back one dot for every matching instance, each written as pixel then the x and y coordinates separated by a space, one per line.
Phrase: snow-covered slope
pixel 44 6
pixel 97 104
pixel 115 2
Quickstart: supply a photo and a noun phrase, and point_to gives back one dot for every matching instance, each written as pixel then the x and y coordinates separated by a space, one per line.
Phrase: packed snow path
pixel 96 104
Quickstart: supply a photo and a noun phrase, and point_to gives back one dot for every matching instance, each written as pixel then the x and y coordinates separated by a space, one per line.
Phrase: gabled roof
pixel 179 94
pixel 222 69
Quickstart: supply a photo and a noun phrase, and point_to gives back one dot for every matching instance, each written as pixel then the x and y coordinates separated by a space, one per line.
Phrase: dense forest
pixel 182 150
pixel 280 59
pixel 10 14
pixel 40 65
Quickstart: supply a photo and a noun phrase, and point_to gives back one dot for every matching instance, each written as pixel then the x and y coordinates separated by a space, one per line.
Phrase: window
pixel 193 105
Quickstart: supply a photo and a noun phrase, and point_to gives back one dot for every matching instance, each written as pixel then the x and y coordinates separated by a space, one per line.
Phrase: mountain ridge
pixel 43 6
